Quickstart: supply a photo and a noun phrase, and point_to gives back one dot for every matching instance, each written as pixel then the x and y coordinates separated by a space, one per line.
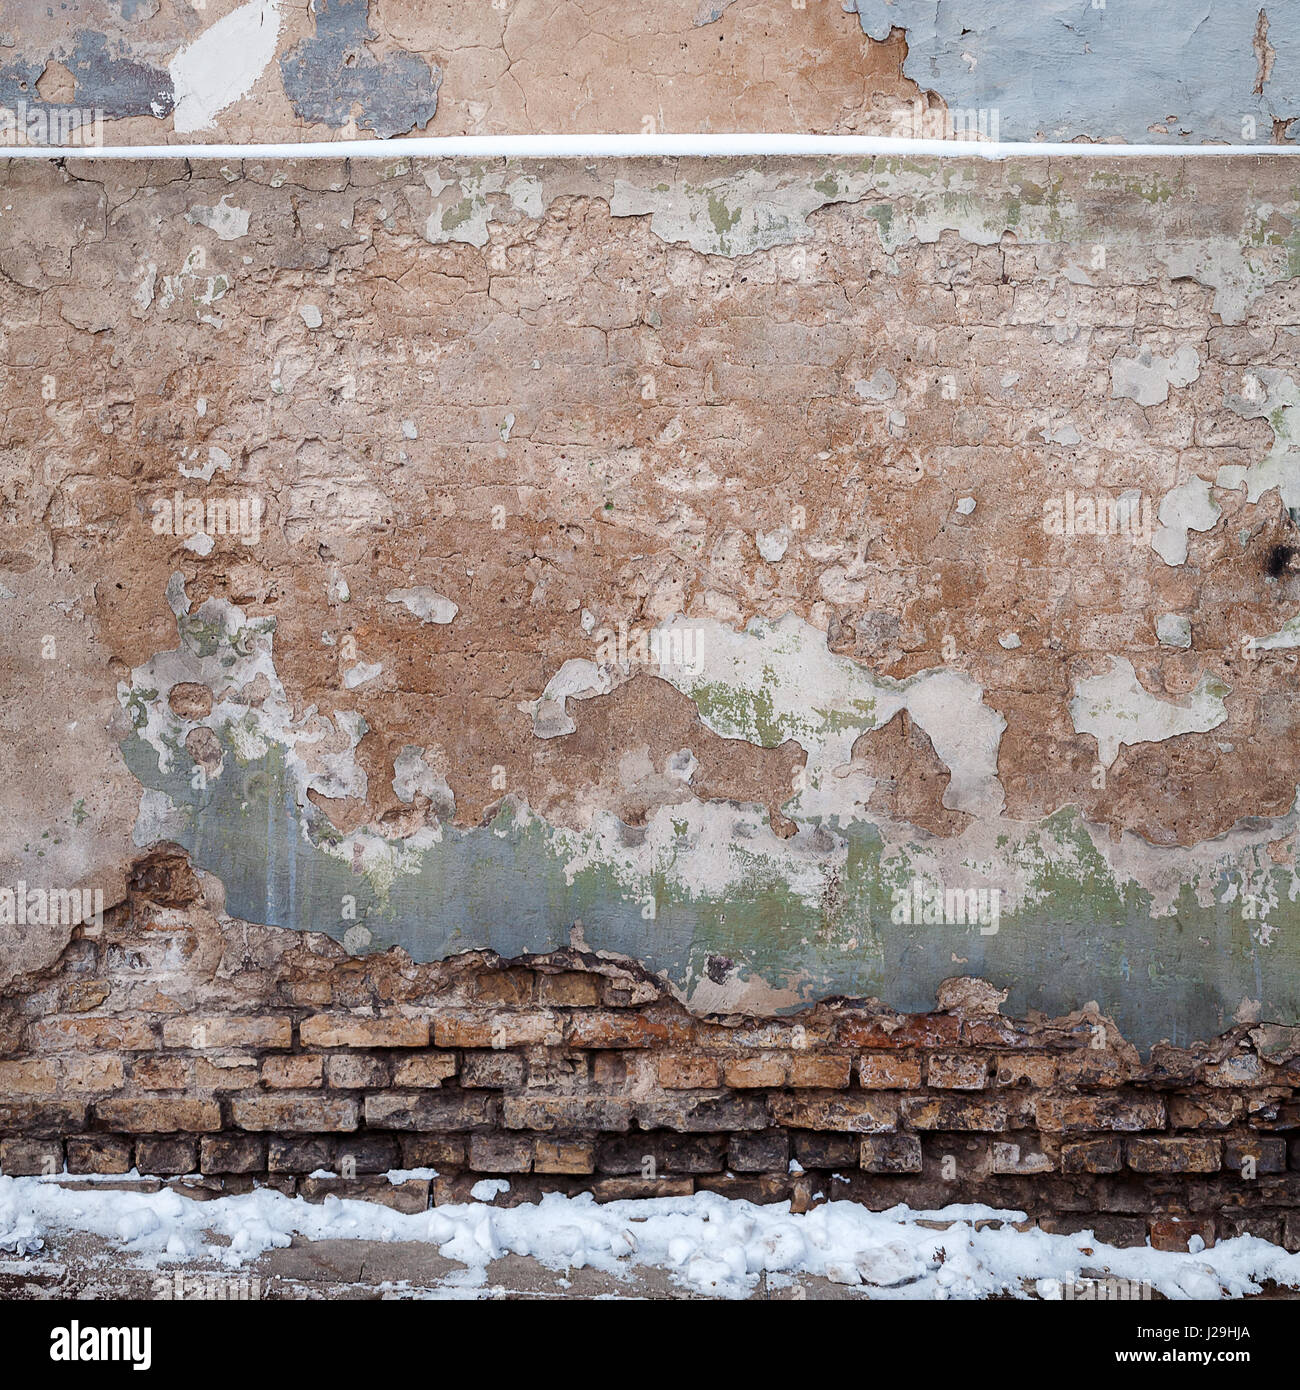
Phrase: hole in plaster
pixel 1279 560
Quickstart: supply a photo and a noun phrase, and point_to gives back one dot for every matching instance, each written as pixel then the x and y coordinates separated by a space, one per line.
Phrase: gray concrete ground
pixel 74 1265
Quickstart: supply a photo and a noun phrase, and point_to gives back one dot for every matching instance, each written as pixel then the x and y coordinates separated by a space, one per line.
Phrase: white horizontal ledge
pixel 642 147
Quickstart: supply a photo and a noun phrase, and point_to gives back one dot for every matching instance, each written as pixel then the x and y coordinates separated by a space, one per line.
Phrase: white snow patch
pixel 709 1244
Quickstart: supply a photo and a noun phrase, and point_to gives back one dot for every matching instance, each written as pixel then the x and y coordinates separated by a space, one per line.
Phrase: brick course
pixel 476 1066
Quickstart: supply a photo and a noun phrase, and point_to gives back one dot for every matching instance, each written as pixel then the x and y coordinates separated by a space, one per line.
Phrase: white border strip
pixel 642 147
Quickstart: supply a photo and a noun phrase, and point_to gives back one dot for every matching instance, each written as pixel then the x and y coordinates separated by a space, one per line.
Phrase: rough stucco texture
pixel 270 70
pixel 698 561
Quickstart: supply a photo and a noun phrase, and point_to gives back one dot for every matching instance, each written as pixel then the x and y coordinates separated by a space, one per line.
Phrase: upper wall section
pixel 267 70
pixel 804 576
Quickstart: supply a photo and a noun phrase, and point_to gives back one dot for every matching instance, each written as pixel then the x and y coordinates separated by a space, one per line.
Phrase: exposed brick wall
pixel 180 1042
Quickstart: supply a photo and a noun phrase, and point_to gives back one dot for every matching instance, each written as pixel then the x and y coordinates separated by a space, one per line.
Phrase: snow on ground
pixel 709 1244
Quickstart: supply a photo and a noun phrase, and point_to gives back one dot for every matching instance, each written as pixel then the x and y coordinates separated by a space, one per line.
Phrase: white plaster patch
pixel 1268 394
pixel 1187 508
pixel 463 206
pixel 881 386
pixel 577 679
pixel 777 680
pixel 772 545
pixel 1147 377
pixel 1117 710
pixel 425 603
pixel 359 674
pixel 412 777
pixel 223 63
pixel 1174 630
pixel 217 458
pixel 229 223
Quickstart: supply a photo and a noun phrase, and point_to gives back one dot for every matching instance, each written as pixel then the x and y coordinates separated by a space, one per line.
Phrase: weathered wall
pixel 1134 70
pixel 218 1055
pixel 671 558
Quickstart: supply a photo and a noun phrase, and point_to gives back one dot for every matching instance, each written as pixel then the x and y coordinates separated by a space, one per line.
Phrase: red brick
pixel 508 988
pixel 1020 1159
pixel 820 1070
pixel 892 1153
pixel 889 1071
pixel 232 1153
pixel 495 1028
pixel 29 1158
pixel 1244 1070
pixel 703 1112
pixel 759 1153
pixel 165 1157
pixel 295 1114
pixel 410 1196
pixel 956 1113
pixel 30 1077
pixel 354 1070
pixel 606 1028
pixel 1112 1112
pixel 957 1071
pixel 163 1073
pixel 636 1189
pixel 500 1153
pixel 1173 1155
pixel 228 1030
pixel 98 1153
pixel 1092 1156
pixel 852 1113
pixel 301 1155
pixel 89 1075
pixel 237 1072
pixel 424 1110
pixel 906 1030
pixel 1175 1232
pixel 549 1113
pixel 570 989
pixel 762 1069
pixel 159 1115
pixel 497 1071
pixel 428 1069
pixel 564 1156
pixel 1026 1070
pixel 296 1072
pixel 359 1030
pixel 1204 1110
pixel 1267 1155
pixel 686 1072
pixel 1089 1066
pixel 99 1032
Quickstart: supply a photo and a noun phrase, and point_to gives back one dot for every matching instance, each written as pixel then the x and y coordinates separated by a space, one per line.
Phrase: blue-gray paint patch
pixel 1056 69
pixel 500 887
pixel 107 80
pixel 327 75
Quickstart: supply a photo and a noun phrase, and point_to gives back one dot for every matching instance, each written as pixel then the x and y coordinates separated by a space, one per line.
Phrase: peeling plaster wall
pixel 268 70
pixel 709 562
pixel 1162 70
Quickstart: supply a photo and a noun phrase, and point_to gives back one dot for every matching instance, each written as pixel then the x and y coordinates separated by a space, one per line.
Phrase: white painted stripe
pixel 644 146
